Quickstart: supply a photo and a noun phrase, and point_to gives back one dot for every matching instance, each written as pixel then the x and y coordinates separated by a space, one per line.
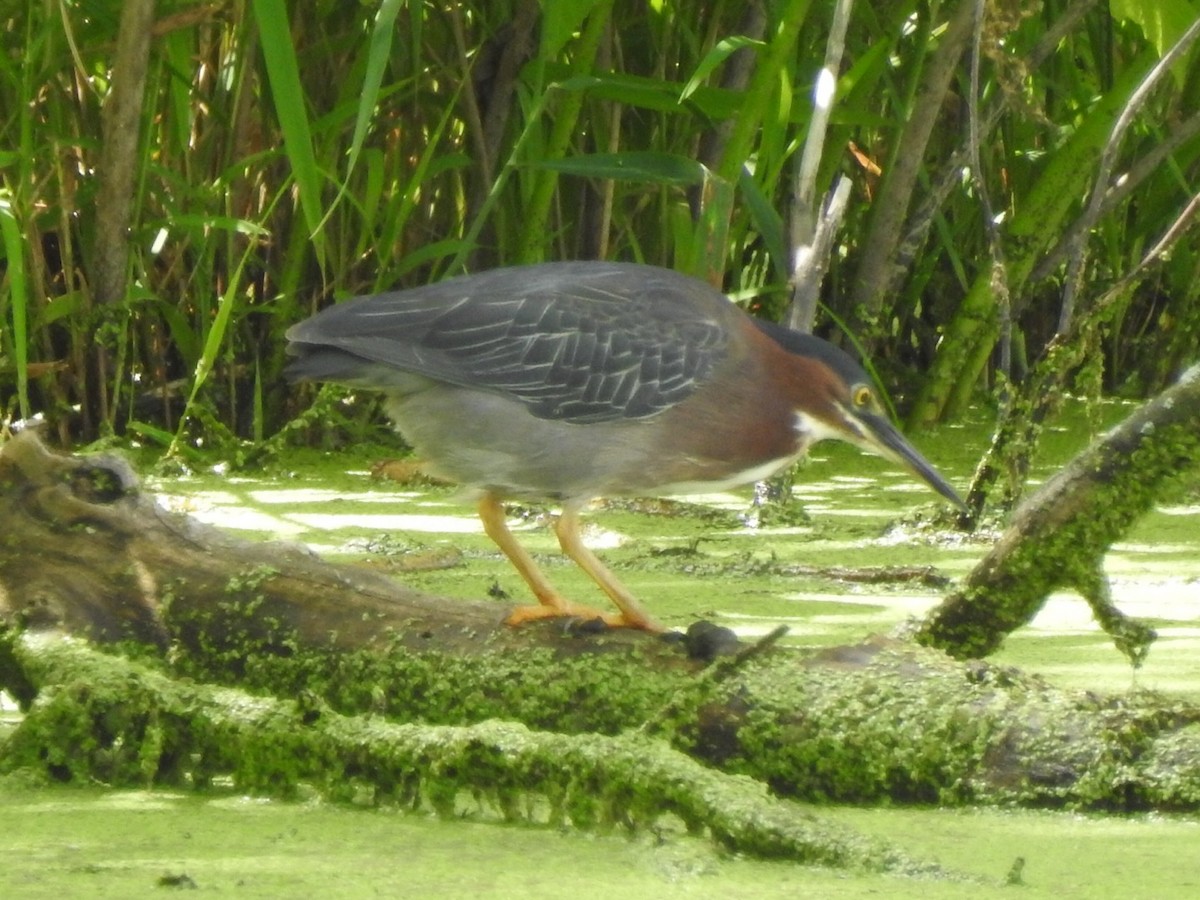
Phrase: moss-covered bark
pixel 1059 537
pixel 884 721
pixel 104 718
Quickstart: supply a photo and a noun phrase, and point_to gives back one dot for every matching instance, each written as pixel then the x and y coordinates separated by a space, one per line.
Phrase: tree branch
pixel 1059 537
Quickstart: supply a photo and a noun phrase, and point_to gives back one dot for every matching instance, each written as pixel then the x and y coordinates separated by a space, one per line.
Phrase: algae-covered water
pixel 67 843
pixel 685 561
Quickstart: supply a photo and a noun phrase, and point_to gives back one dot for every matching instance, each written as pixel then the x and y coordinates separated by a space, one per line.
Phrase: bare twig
pixel 812 235
pixel 990 224
pixel 1076 254
pixel 720 670
pixel 1128 181
pixel 811 262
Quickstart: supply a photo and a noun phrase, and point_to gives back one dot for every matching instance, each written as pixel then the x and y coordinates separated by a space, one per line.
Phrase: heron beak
pixel 876 434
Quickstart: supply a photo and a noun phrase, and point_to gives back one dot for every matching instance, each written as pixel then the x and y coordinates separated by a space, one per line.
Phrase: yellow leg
pixel 552 604
pixel 633 613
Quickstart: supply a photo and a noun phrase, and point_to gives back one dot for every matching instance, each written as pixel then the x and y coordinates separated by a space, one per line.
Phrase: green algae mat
pixel 700 559
pixel 63 843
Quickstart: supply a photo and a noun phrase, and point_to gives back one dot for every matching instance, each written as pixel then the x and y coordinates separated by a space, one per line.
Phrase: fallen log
pixel 83 551
pixel 166 732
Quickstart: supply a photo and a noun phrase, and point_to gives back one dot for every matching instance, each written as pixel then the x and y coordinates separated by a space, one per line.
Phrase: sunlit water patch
pixel 293 496
pixel 429 524
pixel 859 515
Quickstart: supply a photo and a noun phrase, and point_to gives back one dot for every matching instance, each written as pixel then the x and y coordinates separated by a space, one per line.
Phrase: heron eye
pixel 861 395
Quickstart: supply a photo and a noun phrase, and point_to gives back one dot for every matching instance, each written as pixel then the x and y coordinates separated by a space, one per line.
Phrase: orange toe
pixel 532 613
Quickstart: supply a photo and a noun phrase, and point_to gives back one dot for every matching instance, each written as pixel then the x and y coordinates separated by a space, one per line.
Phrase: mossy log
pixel 1059 536
pixel 82 550
pixel 164 731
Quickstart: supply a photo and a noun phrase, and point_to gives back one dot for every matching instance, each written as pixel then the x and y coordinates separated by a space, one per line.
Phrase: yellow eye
pixel 861 395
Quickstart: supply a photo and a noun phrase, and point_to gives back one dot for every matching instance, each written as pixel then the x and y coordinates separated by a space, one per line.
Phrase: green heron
pixel 577 380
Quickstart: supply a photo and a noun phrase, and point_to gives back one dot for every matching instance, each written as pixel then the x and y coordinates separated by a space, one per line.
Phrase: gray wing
pixel 578 342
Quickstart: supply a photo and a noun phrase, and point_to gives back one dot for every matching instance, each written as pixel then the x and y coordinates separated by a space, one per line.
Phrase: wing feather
pixel 580 342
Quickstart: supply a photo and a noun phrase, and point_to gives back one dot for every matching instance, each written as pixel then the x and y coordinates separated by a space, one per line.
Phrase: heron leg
pixel 633 614
pixel 552 604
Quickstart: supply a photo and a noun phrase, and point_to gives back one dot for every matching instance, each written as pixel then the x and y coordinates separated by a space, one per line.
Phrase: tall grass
pixel 294 153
